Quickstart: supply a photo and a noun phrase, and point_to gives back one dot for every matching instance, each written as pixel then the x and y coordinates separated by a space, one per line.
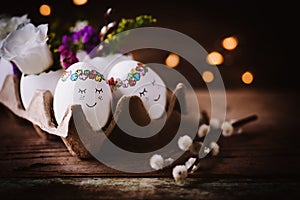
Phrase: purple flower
pixel 66 40
pixel 67 57
pixel 16 70
pixel 62 48
pixel 76 36
pixel 86 39
pixel 90 35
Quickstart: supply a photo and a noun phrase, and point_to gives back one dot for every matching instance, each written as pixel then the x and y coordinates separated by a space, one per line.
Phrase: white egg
pixel 130 77
pixel 82 84
pixel 29 84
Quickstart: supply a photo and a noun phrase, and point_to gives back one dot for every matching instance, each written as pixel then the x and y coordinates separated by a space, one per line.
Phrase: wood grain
pixel 262 162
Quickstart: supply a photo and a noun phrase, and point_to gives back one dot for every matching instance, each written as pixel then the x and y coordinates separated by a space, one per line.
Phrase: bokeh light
pixel 45 10
pixel 230 43
pixel 80 2
pixel 214 58
pixel 208 76
pixel 172 60
pixel 247 77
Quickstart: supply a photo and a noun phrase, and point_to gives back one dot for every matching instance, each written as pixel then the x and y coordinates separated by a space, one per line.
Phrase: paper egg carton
pixel 40 114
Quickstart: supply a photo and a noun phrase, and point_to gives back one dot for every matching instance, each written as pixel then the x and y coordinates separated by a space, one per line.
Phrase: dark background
pixel 262 163
pixel 266 31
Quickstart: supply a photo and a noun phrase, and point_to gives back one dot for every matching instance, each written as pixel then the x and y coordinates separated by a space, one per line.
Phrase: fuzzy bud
pixel 185 142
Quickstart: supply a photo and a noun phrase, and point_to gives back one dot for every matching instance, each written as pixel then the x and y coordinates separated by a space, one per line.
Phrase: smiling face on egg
pixel 154 98
pixel 94 98
pixel 81 84
pixel 88 97
pixel 134 78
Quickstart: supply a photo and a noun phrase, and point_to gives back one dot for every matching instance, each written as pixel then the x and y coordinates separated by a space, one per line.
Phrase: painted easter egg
pixel 82 84
pixel 130 77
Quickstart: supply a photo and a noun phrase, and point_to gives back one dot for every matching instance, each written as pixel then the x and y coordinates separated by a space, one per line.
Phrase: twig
pixel 204 117
pixel 235 124
pixel 244 121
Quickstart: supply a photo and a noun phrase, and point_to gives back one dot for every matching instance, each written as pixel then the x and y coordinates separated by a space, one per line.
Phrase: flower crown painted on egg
pixel 81 74
pixel 133 76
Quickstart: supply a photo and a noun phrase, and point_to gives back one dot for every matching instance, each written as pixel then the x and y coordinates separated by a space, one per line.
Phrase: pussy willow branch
pixel 195 148
pixel 243 121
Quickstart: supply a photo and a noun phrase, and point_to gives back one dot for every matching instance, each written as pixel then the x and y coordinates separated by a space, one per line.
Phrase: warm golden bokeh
pixel 172 60
pixel 208 76
pixel 230 43
pixel 214 58
pixel 45 10
pixel 80 2
pixel 247 77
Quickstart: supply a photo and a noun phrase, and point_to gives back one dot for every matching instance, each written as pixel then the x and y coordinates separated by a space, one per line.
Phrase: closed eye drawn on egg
pixel 143 92
pixel 98 90
pixel 82 91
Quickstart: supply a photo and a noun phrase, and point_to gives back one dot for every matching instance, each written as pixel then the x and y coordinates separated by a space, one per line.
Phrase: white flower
pixel 180 173
pixel 80 24
pixel 169 161
pixel 190 162
pixel 27 47
pixel 203 130
pixel 157 162
pixel 214 123
pixel 215 148
pixel 10 24
pixel 184 142
pixel 227 129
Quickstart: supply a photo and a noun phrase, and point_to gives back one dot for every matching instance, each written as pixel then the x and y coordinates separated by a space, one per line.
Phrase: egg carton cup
pixel 40 114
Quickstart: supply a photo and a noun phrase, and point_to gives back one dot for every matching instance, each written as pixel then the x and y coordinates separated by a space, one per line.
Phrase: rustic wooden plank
pixel 145 188
pixel 261 163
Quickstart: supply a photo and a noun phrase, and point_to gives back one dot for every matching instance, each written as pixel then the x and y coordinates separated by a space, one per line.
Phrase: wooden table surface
pixel 261 163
